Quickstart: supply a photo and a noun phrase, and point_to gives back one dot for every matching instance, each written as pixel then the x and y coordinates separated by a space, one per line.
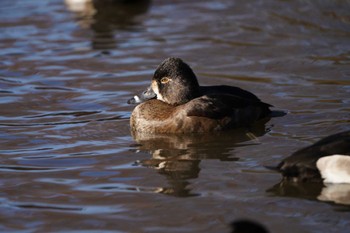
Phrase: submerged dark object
pixel 247 226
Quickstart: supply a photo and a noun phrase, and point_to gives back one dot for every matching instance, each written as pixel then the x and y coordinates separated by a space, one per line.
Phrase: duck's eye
pixel 164 80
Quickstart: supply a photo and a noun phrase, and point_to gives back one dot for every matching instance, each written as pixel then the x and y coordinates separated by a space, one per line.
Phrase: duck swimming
pixel 176 103
pixel 327 160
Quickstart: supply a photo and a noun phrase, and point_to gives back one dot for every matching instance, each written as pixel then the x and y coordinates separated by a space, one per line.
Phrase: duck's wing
pixel 217 106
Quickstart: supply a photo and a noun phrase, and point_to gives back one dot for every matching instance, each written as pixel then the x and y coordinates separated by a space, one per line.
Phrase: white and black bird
pixel 327 160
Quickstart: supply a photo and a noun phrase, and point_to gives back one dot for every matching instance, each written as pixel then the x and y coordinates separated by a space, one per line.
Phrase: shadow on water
pixel 178 157
pixel 105 17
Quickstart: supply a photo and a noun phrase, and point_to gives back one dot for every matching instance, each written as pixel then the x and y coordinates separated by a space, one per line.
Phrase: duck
pixel 176 103
pixel 327 161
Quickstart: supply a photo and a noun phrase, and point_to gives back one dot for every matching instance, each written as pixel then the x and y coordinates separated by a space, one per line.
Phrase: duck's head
pixel 173 82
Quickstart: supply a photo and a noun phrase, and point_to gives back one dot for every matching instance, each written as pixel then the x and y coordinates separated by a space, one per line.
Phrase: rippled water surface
pixel 68 162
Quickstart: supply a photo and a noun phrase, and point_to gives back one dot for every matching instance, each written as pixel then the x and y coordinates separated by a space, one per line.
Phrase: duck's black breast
pixel 301 165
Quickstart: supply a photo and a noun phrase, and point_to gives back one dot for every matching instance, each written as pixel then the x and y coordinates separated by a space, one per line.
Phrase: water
pixel 68 162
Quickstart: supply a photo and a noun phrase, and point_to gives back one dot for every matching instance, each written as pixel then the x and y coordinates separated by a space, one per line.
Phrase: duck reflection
pixel 104 17
pixel 337 193
pixel 178 157
pixel 334 193
pixel 286 188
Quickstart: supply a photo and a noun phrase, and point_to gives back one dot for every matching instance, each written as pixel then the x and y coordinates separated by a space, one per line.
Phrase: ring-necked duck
pixel 320 161
pixel 175 103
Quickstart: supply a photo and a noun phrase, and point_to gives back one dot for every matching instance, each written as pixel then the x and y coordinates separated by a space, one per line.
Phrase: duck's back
pixel 232 90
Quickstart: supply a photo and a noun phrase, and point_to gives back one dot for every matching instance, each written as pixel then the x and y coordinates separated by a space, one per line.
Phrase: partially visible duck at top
pixel 327 160
pixel 176 103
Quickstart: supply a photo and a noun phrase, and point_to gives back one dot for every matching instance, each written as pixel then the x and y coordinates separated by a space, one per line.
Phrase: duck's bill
pixel 145 95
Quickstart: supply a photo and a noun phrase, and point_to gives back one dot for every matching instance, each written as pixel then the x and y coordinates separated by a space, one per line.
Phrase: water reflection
pixel 335 193
pixel 178 157
pixel 304 190
pixel 105 17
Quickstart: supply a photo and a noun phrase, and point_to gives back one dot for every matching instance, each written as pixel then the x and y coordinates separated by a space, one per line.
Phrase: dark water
pixel 68 162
